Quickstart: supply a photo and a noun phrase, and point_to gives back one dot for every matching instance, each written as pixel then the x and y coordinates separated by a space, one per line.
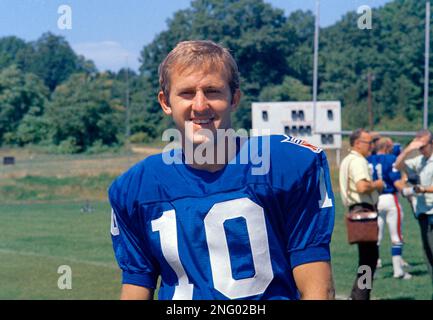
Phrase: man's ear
pixel 163 101
pixel 236 98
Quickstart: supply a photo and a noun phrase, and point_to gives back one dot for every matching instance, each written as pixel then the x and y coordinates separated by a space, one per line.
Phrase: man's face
pixel 427 148
pixel 199 99
pixel 364 144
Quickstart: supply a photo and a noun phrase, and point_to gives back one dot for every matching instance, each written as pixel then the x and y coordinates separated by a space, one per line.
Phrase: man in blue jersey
pixel 214 227
pixel 389 208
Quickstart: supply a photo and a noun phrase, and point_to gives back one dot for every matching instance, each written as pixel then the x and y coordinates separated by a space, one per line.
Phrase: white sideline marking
pixel 34 254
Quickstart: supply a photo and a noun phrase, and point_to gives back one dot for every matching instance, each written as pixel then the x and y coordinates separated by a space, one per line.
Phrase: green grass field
pixel 43 228
pixel 38 238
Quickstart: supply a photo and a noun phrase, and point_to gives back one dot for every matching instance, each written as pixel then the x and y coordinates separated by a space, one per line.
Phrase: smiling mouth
pixel 202 121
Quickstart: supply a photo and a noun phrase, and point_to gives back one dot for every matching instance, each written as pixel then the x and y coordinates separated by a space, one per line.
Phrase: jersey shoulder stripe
pixel 302 143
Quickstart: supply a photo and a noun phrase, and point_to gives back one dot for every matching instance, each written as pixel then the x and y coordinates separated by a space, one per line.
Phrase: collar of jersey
pixel 199 173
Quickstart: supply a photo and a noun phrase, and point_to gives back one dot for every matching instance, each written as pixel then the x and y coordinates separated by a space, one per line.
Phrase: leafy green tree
pixel 54 60
pixel 33 128
pixel 145 116
pixel 300 62
pixel 84 111
pixel 16 51
pixel 274 52
pixel 393 50
pixel 19 93
pixel 290 90
pixel 257 34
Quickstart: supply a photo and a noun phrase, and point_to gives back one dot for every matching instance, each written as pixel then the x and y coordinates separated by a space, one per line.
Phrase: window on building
pixel 302 131
pixel 327 139
pixel 294 115
pixel 301 115
pixel 287 130
pixel 308 130
pixel 265 115
pixel 294 131
pixel 330 115
pixel 324 139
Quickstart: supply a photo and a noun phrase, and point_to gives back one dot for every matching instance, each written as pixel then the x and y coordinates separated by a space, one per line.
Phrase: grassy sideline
pixel 43 228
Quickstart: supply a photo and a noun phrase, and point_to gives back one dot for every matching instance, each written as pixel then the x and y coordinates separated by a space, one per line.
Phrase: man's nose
pixel 200 102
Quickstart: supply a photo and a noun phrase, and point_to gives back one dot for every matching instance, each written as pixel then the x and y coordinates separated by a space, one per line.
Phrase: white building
pixel 297 120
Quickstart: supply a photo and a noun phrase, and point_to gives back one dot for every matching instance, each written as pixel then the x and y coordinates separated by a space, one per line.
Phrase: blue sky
pixel 113 32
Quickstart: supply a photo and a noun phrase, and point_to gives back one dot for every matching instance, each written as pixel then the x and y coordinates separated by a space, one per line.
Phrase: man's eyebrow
pixel 185 89
pixel 214 87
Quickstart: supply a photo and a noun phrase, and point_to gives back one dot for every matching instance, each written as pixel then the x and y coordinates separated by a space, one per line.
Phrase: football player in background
pixel 375 136
pixel 221 229
pixel 389 208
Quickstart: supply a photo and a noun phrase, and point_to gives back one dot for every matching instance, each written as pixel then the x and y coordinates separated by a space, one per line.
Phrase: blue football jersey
pixel 396 149
pixel 382 166
pixel 232 234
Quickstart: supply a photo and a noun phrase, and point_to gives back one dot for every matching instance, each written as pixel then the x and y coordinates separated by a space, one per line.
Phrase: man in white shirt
pixel 422 200
pixel 358 190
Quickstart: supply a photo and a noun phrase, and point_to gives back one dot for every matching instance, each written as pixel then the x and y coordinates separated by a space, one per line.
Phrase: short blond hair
pixel 199 53
pixel 384 144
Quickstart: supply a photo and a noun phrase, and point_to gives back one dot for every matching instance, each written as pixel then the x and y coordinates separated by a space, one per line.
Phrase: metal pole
pixel 338 156
pixel 128 112
pixel 427 60
pixel 316 60
pixel 127 129
pixel 370 107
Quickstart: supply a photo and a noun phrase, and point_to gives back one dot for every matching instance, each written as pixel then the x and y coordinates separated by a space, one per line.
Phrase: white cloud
pixel 107 55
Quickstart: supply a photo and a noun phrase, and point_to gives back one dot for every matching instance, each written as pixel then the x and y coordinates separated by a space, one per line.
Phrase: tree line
pixel 51 96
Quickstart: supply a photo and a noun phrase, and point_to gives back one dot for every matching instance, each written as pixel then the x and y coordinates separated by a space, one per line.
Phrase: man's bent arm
pixel 133 292
pixel 399 162
pixel 364 186
pixel 314 281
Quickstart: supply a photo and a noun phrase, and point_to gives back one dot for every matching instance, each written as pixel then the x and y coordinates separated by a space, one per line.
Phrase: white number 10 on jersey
pixel 218 249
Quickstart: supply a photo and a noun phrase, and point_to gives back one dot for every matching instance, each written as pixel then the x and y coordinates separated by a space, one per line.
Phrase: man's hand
pixel 419 189
pixel 379 185
pixel 423 189
pixel 314 281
